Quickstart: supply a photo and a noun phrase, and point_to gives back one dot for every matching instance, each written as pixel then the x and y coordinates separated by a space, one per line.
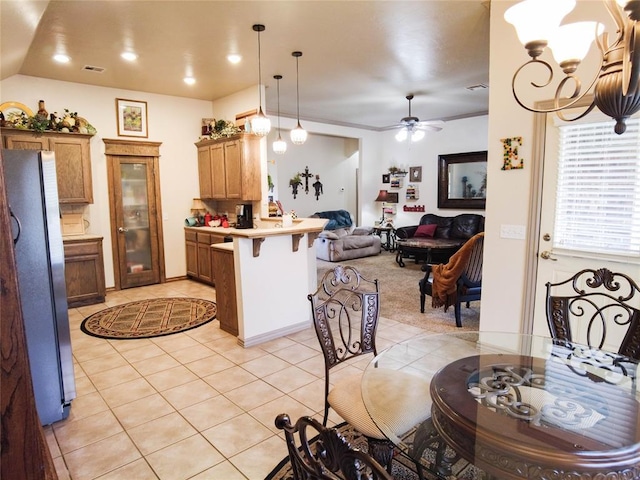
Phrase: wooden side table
pixel 389 243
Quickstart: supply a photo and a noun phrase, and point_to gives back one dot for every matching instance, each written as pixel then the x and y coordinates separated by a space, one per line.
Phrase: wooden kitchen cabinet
pixel 73 160
pixel 84 270
pixel 230 168
pixel 200 265
pixel 226 299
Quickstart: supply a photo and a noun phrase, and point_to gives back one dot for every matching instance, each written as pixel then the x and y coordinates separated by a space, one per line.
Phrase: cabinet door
pixel 191 250
pixel 23 142
pixel 204 258
pixel 233 165
pixel 204 172
pixel 218 183
pixel 84 272
pixel 73 169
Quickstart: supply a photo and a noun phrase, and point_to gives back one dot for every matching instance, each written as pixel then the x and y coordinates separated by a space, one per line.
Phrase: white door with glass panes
pixel 590 215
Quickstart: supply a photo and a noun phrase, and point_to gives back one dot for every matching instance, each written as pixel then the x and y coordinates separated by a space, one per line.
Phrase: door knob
pixel 122 229
pixel 547 256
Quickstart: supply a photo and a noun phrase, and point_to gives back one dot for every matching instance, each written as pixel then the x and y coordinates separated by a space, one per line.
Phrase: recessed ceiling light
pixel 189 80
pixel 129 56
pixel 234 58
pixel 61 58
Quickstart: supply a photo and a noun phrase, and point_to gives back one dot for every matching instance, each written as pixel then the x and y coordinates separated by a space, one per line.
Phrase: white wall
pixel 457 136
pixel 173 121
pixel 334 152
pixel 509 192
pixel 326 156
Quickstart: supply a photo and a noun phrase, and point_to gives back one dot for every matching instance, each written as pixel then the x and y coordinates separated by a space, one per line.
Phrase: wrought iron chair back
pixel 602 303
pixel 324 453
pixel 345 309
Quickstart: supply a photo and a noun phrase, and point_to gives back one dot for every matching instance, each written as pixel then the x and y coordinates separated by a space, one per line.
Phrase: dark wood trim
pixel 443 181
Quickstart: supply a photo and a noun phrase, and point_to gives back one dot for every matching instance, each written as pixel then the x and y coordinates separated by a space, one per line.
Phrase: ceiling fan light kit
pixel 615 87
pixel 298 134
pixel 413 129
pixel 260 124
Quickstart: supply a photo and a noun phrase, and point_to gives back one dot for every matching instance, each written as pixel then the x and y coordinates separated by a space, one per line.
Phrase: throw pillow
pixel 426 230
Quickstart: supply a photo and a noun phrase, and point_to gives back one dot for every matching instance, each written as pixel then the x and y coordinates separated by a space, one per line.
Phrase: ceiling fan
pixel 411 127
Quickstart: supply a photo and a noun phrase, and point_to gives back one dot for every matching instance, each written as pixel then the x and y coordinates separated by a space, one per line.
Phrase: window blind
pixel 598 191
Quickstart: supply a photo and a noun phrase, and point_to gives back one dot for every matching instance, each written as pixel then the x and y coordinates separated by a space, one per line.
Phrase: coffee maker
pixel 244 215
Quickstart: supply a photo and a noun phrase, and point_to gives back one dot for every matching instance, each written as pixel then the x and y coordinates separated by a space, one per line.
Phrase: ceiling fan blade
pixel 430 128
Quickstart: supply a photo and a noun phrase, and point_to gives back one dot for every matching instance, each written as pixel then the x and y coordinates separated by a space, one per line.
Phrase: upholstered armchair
pixel 456 282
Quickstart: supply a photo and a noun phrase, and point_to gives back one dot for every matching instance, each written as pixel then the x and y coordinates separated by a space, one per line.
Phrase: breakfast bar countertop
pixel 268 227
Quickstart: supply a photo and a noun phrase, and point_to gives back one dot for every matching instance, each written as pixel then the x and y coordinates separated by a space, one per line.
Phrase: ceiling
pixel 360 58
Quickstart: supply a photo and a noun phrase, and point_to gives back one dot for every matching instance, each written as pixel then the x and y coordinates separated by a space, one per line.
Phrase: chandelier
pixel 615 86
pixel 260 124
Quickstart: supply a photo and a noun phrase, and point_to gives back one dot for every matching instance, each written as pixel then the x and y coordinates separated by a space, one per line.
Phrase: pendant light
pixel 298 134
pixel 279 146
pixel 260 124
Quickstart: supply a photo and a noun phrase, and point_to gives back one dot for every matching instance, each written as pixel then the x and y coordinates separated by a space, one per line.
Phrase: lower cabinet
pixel 198 252
pixel 226 299
pixel 84 271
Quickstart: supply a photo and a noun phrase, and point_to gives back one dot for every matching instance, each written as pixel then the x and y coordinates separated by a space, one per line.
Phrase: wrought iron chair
pixel 345 310
pixel 599 303
pixel 323 453
pixel 461 278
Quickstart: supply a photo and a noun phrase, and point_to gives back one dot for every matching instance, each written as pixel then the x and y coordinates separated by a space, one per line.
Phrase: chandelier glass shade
pixel 279 146
pixel 298 134
pixel 260 124
pixel 615 88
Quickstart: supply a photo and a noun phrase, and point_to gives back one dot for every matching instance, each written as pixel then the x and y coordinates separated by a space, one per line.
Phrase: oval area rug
pixel 149 318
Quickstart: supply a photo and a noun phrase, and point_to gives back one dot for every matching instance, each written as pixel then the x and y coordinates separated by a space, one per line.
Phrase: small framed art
pixel 132 118
pixel 386 178
pixel 415 174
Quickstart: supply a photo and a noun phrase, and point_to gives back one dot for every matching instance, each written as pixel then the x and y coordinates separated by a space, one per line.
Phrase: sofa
pixel 436 237
pixel 341 240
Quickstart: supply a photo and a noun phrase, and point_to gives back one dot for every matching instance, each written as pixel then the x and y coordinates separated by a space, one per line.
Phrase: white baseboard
pixel 272 335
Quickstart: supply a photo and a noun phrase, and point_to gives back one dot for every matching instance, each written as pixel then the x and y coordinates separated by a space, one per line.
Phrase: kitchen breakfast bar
pixel 274 269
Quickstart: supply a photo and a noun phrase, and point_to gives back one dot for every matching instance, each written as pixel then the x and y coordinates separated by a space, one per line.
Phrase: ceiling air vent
pixel 479 86
pixel 92 68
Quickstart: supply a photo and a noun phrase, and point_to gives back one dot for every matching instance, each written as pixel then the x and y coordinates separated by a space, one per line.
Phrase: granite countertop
pixel 267 228
pixel 79 238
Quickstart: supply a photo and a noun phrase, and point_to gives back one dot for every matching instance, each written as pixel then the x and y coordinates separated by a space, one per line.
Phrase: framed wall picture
pixel 415 174
pixel 132 118
pixel 392 197
pixel 386 178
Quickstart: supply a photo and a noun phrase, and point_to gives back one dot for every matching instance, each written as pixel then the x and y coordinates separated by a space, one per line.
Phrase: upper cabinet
pixel 230 168
pixel 73 160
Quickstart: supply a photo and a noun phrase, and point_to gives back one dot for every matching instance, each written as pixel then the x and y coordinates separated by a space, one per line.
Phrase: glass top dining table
pixel 509 406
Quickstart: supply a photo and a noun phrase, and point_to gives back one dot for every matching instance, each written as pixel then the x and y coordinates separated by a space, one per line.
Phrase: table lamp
pixel 382 197
pixel 198 207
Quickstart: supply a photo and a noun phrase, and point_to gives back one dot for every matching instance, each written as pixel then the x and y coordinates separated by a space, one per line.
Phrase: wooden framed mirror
pixel 462 180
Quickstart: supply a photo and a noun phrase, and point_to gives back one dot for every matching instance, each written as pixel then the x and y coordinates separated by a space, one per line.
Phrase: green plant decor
pixel 270 184
pixel 295 180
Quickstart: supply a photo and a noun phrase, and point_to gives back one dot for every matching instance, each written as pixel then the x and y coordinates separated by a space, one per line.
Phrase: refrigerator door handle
pixel 17 237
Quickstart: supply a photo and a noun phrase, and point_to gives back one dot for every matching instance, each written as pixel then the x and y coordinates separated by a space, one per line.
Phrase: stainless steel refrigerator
pixel 35 214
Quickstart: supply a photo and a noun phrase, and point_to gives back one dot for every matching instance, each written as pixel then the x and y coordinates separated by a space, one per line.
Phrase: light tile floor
pixel 192 405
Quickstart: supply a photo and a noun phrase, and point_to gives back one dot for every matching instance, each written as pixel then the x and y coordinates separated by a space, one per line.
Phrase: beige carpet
pixel 400 297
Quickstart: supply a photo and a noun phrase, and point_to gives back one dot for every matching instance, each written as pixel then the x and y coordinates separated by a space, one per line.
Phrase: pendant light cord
pixel 298 90
pixel 259 72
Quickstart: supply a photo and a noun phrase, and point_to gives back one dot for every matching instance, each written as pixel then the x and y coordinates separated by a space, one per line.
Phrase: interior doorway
pixel 135 212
